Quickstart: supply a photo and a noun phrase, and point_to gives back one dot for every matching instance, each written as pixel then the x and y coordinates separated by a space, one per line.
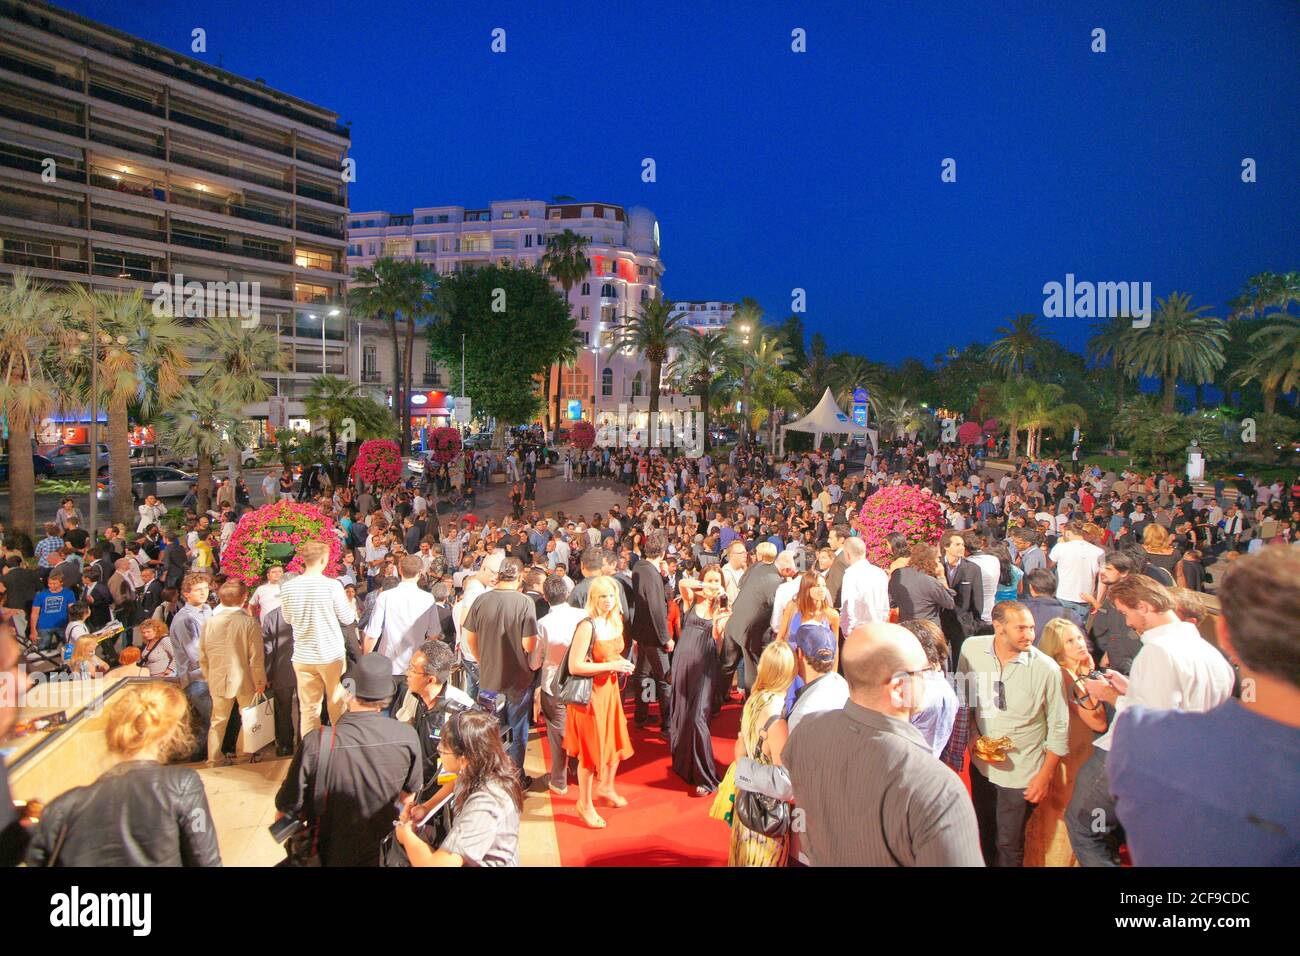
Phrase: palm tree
pixel 1109 345
pixel 203 425
pixel 853 372
pixel 899 417
pixel 653 334
pixel 142 362
pixel 565 261
pixel 699 365
pixel 1276 366
pixel 744 328
pixel 1040 409
pixel 235 359
pixel 1180 342
pixel 1021 342
pixel 1264 291
pixel 772 385
pixel 33 342
pixel 385 290
pixel 341 406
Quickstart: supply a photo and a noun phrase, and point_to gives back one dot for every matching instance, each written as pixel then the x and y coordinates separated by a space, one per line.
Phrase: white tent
pixel 827 419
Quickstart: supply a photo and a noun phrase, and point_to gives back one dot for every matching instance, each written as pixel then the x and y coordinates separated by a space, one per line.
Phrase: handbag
pixel 757 812
pixel 303 848
pixel 258 721
pixel 576 689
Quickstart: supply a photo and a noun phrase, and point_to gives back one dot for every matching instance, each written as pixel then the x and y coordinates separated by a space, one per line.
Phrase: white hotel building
pixel 626 271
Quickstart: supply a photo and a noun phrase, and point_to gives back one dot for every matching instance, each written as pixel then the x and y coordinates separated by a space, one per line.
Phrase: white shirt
pixel 266 599
pixel 785 593
pixel 473 588
pixel 1077 565
pixel 556 632
pixel 1176 669
pixel 864 596
pixel 403 618
pixel 990 571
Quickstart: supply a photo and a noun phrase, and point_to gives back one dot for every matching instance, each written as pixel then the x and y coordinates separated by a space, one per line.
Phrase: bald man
pixel 869 789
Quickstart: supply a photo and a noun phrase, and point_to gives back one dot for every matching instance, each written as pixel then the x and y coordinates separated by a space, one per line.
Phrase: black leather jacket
pixel 139 813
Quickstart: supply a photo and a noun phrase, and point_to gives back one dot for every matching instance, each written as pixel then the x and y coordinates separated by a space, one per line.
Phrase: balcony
pixel 371 376
pixel 221 245
pixel 316 159
pixel 124 142
pixel 45 122
pixel 432 378
pixel 227 208
pixel 318 229
pixel 32 213
pixel 208 126
pixel 44 74
pixel 223 168
pixel 34 260
pixel 316 192
pixel 31 164
pixel 132 185
pixel 125 229
pixel 117 270
pixel 125 99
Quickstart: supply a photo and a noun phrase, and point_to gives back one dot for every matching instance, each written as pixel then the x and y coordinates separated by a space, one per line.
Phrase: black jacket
pixel 918 596
pixel 751 617
pixel 176 561
pixel 151 597
pixel 835 577
pixel 649 624
pixel 968 605
pixel 138 813
pixel 277 645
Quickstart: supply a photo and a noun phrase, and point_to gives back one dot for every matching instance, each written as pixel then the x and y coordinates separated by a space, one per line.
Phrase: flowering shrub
pixel 912 511
pixel 970 434
pixel 379 462
pixel 582 435
pixel 273 528
pixel 444 444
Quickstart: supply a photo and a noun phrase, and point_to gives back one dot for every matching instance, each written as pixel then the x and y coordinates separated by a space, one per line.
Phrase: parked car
pixel 70 460
pixel 478 442
pixel 42 466
pixel 724 436
pixel 162 481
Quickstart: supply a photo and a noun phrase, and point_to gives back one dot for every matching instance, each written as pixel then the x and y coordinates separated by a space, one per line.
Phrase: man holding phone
pixel 648 628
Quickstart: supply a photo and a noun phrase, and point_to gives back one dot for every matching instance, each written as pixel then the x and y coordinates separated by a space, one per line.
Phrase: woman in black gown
pixel 695 667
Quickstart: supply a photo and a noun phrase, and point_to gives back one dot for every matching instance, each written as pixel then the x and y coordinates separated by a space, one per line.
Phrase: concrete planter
pixel 545 472
pixel 498 478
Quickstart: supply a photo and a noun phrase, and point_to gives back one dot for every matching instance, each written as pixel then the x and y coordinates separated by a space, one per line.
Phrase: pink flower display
pixel 970 434
pixel 264 536
pixel 379 463
pixel 912 511
pixel 582 435
pixel 444 444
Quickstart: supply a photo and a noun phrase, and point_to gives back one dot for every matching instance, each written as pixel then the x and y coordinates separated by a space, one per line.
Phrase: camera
pixel 1095 675
pixel 287 826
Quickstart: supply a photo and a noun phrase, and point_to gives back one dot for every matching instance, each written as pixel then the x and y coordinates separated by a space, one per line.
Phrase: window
pixel 372 248
pixel 643 270
pixel 528 241
pixel 609 213
pixel 586 288
pixel 574 383
pixel 645 295
pixel 586 338
pixel 553 214
pixel 369 360
pixel 637 385
pixel 606 382
pixel 523 214
pixel 586 314
pixel 309 259
pixel 608 291
pixel 508 214
pixel 425 245
pixel 588 212
pixel 354 249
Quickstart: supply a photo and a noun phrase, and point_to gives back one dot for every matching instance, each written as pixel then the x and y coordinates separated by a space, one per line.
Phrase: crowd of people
pixel 1037 687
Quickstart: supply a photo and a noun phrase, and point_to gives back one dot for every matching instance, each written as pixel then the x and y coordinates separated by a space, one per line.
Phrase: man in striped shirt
pixel 320 615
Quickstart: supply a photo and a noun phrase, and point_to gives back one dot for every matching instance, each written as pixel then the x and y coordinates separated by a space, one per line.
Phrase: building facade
pixel 626 271
pixel 124 164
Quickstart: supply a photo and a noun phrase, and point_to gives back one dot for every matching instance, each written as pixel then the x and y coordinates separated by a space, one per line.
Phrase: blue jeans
pixel 1090 819
pixel 519 711
pixel 48 640
pixel 201 701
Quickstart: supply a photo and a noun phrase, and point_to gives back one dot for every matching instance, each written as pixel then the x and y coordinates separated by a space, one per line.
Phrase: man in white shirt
pixel 1077 563
pixel 555 634
pixel 267 596
pixel 1176 669
pixel 990 571
pixel 864 592
pixel 318 611
pixel 403 618
pixel 270 487
pixel 788 590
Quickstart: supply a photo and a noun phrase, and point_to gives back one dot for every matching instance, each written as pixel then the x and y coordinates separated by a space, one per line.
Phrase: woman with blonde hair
pixel 85 663
pixel 1158 548
pixel 762 736
pixel 596 733
pixel 139 812
pixel 1046 840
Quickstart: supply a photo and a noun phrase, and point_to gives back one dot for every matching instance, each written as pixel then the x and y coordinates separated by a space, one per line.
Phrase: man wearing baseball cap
pixel 375 763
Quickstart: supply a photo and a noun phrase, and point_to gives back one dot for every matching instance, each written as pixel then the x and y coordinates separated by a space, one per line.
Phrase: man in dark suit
pixel 649 629
pixel 21 585
pixel 835 574
pixel 967 584
pixel 749 628
pixel 175 560
pixel 442 601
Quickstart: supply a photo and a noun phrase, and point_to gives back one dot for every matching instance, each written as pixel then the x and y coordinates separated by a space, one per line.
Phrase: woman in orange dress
pixel 597 733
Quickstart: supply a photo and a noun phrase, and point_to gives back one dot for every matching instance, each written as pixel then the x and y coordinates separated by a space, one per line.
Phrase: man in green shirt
pixel 1013 690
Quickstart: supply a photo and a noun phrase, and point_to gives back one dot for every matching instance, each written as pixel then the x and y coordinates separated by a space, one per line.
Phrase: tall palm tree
pixel 699 365
pixel 853 372
pixel 1041 409
pixel 142 362
pixel 1109 345
pixel 344 407
pixel 387 290
pixel 900 417
pixel 1264 291
pixel 745 328
pixel 204 425
pixel 1181 342
pixel 653 334
pixel 565 261
pixel 771 385
pixel 34 340
pixel 1020 343
pixel 1276 366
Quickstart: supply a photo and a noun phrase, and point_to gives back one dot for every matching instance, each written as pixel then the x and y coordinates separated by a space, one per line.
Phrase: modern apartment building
pixel 705 316
pixel 123 164
pixel 626 271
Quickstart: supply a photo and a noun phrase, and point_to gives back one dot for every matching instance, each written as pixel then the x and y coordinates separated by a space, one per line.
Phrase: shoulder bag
pixel 303 848
pixel 575 689
pixel 757 812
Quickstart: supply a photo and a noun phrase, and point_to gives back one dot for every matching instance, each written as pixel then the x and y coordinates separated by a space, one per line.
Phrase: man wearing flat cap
pixel 374 764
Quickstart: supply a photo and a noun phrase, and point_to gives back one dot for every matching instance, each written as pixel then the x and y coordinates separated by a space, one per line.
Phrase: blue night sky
pixel 821 170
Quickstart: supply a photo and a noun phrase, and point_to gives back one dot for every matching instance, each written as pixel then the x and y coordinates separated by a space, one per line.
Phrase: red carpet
pixel 662 824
